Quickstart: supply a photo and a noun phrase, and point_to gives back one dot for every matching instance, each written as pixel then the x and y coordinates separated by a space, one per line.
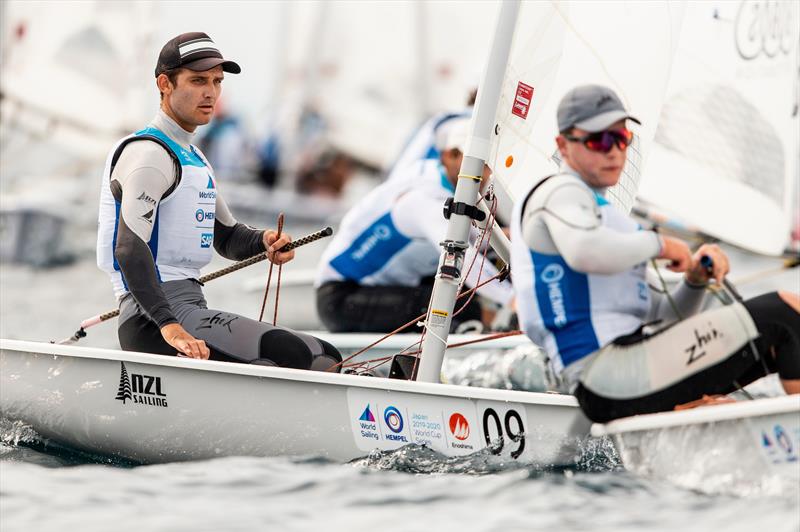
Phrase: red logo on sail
pixel 522 100
pixel 459 426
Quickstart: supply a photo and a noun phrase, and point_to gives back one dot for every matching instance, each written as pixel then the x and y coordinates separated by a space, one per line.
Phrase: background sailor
pixel 377 274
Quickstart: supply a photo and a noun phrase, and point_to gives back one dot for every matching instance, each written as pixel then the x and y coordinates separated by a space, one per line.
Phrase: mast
pixel 448 277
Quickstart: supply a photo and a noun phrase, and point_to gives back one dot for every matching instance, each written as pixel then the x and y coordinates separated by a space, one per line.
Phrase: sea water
pixel 412 489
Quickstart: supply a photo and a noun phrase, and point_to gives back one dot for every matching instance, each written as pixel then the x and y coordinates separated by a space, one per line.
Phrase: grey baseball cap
pixel 592 108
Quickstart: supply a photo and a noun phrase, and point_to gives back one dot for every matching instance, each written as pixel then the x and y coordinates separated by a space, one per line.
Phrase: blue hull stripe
pixel 563 298
pixel 371 251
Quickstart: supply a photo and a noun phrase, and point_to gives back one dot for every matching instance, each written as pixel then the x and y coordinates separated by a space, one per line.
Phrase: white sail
pixel 77 62
pixel 372 72
pixel 627 46
pixel 725 154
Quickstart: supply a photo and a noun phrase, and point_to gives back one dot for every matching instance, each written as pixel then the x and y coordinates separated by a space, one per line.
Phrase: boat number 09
pixel 495 440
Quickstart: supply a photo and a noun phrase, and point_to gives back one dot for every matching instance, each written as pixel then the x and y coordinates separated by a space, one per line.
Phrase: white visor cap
pixel 453 134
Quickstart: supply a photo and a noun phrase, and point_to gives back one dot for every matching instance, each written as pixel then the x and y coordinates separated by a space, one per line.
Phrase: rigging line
pixel 409 324
pixel 477 251
pixel 666 290
pixel 280 269
pixel 269 279
pixel 486 231
pixel 380 363
pixel 717 292
pixel 363 363
pixel 475 341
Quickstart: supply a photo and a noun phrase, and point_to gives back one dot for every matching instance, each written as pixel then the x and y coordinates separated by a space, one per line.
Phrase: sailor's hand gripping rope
pixel 100 318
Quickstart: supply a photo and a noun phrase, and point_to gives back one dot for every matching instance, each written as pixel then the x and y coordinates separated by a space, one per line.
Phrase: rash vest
pixel 369 248
pixel 569 313
pixel 183 222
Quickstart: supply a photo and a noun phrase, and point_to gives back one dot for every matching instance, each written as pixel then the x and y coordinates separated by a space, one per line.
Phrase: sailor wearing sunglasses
pixel 582 290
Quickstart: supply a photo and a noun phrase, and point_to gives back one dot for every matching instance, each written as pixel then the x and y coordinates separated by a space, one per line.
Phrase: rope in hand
pixel 269 280
pixel 294 244
pixel 717 291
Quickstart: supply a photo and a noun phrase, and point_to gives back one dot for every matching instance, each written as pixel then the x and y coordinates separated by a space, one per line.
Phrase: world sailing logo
pixel 367 425
pixel 140 389
pixel 367 415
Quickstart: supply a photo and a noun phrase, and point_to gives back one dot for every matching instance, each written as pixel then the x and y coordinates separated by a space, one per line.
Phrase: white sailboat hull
pixel 151 408
pixel 748 445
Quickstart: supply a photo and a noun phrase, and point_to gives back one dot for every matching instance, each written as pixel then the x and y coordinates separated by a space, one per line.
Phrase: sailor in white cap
pixel 579 268
pixel 377 273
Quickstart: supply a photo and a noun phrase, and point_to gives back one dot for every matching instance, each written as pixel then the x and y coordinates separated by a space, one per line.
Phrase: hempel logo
pixel 140 389
pixel 200 215
pixel 380 232
pixel 551 275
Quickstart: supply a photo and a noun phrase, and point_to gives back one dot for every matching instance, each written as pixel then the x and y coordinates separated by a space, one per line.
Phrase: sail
pixel 627 46
pixel 725 156
pixel 76 62
pixel 374 71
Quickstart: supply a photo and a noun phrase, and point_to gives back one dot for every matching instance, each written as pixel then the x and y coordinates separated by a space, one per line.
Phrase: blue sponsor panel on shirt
pixel 206 239
pixel 564 302
pixel 371 250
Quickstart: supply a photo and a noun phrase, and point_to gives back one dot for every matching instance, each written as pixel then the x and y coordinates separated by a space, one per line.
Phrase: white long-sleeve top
pixel 392 236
